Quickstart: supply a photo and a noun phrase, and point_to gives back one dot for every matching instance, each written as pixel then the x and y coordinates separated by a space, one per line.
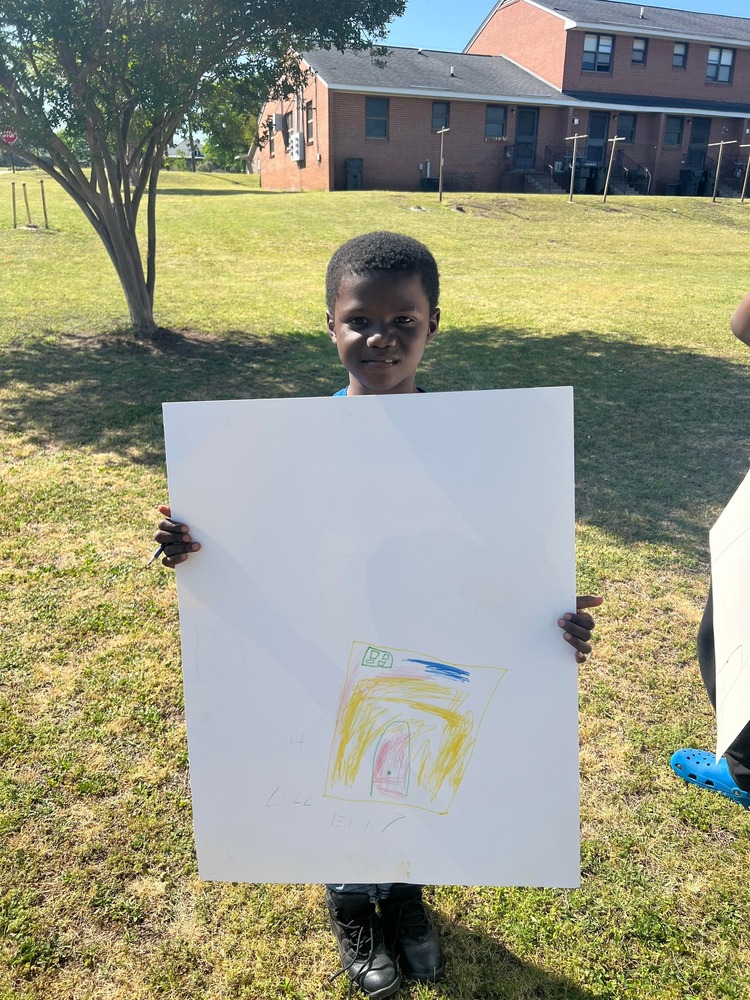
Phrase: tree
pixel 228 115
pixel 123 74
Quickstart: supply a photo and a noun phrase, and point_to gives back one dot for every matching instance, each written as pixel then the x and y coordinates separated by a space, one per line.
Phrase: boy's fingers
pixel 173 526
pixel 164 509
pixel 584 620
pixel 171 561
pixel 588 601
pixel 166 536
pixel 579 644
pixel 572 628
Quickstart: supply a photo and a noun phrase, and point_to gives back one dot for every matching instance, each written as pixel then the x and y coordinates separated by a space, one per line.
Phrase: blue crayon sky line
pixel 443 669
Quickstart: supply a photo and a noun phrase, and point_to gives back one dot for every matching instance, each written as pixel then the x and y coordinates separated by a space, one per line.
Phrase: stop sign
pixel 8 136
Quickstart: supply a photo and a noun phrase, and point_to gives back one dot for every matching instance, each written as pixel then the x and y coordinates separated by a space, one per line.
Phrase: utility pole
pixel 745 145
pixel 575 139
pixel 721 145
pixel 441 132
pixel 614 141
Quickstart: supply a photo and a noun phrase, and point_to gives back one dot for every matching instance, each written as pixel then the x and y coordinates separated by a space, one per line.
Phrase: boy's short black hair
pixel 383 251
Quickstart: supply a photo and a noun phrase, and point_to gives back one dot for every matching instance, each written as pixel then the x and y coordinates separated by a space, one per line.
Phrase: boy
pixel 382 311
pixel 731 775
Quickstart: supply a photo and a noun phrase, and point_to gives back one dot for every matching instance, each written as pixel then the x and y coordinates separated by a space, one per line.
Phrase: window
pixel 679 55
pixel 640 48
pixel 441 113
pixel 494 121
pixel 626 126
pixel 597 53
pixel 376 117
pixel 673 131
pixel 309 121
pixel 719 67
pixel 271 138
pixel 287 128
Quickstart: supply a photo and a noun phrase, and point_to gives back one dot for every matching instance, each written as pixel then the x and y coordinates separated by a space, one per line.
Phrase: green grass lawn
pixel 629 302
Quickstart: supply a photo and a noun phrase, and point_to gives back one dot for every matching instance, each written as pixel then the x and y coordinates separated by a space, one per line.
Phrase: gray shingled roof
pixel 428 72
pixel 663 19
pixel 673 103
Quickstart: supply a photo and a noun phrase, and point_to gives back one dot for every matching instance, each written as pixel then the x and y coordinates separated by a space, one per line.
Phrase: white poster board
pixel 376 686
pixel 730 575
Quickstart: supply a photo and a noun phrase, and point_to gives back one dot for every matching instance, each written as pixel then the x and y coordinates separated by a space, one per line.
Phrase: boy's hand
pixel 578 627
pixel 175 537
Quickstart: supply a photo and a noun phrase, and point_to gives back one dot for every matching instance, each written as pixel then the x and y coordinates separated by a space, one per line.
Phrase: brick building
pixel 668 83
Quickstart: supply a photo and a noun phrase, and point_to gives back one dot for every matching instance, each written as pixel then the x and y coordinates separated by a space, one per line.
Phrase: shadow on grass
pixel 223 192
pixel 486 969
pixel 661 433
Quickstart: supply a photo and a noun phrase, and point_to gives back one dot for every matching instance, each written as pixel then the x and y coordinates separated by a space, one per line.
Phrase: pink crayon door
pixel 392 762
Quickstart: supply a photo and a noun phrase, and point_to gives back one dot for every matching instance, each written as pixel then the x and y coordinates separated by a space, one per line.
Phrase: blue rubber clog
pixel 700 768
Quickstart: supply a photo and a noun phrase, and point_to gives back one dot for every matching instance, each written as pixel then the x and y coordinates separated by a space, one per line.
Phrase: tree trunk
pixel 141 311
pixel 126 257
pixel 121 242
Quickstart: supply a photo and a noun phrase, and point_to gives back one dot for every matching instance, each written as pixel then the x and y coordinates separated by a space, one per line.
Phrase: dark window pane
pixel 626 126
pixel 673 131
pixel 494 123
pixel 376 117
pixel 377 128
pixel 440 115
pixel 377 107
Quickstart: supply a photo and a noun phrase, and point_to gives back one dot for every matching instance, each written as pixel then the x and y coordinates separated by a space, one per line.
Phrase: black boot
pixel 364 955
pixel 409 930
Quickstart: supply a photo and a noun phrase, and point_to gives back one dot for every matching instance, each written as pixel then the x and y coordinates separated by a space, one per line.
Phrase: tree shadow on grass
pixel 661 434
pixel 223 192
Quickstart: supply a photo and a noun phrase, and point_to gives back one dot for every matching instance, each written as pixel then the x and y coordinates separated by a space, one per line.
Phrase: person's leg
pixel 409 929
pixel 365 957
pixel 730 776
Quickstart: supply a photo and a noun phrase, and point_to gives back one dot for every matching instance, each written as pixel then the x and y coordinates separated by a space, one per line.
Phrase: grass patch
pixel 629 302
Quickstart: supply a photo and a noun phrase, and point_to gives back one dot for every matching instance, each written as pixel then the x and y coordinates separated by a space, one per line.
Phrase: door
pixel 353 168
pixel 597 141
pixel 527 120
pixel 699 133
pixel 391 765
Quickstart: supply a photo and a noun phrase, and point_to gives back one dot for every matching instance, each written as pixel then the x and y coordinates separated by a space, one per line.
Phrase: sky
pixel 449 24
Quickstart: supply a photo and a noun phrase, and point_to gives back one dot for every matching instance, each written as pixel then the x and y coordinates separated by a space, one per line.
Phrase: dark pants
pixel 738 754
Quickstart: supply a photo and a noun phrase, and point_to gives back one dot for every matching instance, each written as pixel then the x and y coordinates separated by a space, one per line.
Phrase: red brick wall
pixel 650 150
pixel 657 78
pixel 528 36
pixel 669 160
pixel 279 172
pixel 393 163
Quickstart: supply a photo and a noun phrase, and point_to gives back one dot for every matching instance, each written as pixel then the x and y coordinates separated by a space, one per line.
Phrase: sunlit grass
pixel 629 302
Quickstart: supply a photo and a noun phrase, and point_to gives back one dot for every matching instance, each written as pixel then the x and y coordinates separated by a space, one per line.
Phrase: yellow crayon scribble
pixel 404 732
pixel 366 712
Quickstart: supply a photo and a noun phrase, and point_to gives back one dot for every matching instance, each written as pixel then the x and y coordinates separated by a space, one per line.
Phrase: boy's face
pixel 381 325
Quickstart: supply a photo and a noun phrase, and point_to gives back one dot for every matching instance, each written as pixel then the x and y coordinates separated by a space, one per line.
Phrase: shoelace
pixel 357 932
pixel 412 917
